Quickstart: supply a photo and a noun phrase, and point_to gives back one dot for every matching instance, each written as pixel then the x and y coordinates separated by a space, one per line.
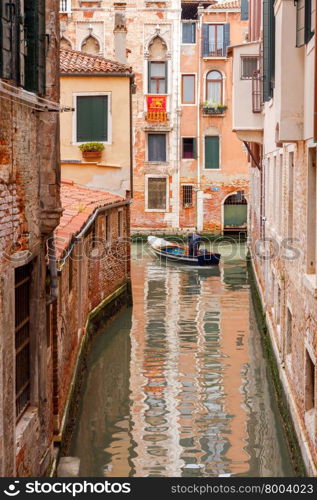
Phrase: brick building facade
pixel 29 212
pixel 93 261
pixel 214 172
pixel 173 188
pixel 276 121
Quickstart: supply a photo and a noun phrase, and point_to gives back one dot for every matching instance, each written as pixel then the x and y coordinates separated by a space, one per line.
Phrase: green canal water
pixel 178 384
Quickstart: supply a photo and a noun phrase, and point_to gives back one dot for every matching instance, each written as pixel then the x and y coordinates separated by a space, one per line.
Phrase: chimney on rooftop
pixel 120 33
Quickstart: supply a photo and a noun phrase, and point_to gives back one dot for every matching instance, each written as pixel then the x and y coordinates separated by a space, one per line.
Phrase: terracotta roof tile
pixel 79 204
pixel 72 61
pixel 235 4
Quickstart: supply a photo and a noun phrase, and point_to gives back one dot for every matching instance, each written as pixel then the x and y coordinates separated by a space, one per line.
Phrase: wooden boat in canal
pixel 177 253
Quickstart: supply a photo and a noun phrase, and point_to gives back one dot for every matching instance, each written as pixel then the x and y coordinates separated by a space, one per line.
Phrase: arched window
pixel 214 87
pixel 91 45
pixel 157 67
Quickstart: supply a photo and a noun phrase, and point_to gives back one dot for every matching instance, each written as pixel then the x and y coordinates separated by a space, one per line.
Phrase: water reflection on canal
pixel 179 386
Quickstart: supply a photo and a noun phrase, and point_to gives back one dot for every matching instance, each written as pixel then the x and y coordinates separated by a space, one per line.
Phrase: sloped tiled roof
pixel 235 4
pixel 73 61
pixel 79 204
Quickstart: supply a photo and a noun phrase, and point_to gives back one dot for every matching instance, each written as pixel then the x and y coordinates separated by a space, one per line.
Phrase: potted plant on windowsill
pixel 213 108
pixel 92 149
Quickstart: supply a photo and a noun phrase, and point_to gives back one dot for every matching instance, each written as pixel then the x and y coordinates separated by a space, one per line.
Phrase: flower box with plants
pixel 92 149
pixel 212 108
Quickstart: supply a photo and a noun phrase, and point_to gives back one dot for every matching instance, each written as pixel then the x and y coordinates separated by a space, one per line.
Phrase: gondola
pixel 176 253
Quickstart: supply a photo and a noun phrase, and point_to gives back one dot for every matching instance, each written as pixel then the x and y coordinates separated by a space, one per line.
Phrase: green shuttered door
pixel 211 152
pixel 235 215
pixel 92 118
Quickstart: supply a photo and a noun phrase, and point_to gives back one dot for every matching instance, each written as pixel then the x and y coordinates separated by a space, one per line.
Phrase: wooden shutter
pixel 9 40
pixel 212 152
pixel 41 60
pixel 22 45
pixel 193 32
pixel 268 49
pixel 300 23
pixel 92 118
pixel 36 45
pixel 5 41
pixel 166 76
pixel 149 77
pixel 244 14
pixel 31 25
pixel 308 21
pixel 195 148
pixel 205 40
pixel 226 38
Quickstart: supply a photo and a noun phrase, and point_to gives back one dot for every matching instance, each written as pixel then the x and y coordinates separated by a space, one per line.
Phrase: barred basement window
pixel 187 196
pixel 249 66
pixel 22 338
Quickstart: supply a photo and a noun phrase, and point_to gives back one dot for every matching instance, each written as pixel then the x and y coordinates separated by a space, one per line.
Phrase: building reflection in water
pixel 192 397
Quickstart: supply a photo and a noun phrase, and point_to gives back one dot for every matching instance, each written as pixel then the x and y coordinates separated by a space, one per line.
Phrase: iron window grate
pixel 187 196
pixel 22 338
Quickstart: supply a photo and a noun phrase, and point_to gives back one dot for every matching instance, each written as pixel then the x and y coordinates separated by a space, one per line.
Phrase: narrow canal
pixel 179 386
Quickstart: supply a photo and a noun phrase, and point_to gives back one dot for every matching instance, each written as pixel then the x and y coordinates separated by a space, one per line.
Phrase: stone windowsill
pixel 87 163
pixel 310 282
pixel 217 115
pixel 25 421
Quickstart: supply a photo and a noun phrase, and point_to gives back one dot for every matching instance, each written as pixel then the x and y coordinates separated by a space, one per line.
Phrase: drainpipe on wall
pixel 199 192
pixel 178 110
pixel 132 91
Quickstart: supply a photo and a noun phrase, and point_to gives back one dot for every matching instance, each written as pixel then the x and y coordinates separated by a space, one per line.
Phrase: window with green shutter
pixel 6 26
pixel 92 118
pixel 35 60
pixel 244 10
pixel 268 49
pixel 300 23
pixel 12 43
pixel 212 152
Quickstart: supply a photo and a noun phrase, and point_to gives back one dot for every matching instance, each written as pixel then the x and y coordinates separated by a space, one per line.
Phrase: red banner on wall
pixel 156 108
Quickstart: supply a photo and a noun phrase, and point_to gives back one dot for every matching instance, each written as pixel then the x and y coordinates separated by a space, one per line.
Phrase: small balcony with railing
pixel 247 99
